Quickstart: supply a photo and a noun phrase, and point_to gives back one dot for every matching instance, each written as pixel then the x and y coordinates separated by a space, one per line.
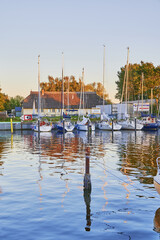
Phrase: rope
pixel 127 182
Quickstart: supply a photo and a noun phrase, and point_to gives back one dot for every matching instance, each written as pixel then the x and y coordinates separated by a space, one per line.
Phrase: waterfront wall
pixel 6 126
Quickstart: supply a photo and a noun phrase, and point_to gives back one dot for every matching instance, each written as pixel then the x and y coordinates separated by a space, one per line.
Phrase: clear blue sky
pixel 79 28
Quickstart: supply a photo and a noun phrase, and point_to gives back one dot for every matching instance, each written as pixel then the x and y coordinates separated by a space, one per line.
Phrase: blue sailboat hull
pixel 150 127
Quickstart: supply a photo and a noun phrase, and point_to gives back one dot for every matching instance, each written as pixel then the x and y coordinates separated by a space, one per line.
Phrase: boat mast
pixel 68 94
pixel 39 94
pixel 103 73
pixel 62 92
pixel 151 99
pixel 80 102
pixel 142 90
pixel 127 79
pixel 83 88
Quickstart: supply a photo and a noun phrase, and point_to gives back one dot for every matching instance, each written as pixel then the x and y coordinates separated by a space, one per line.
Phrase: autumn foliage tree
pixel 151 81
pixel 3 100
pixel 71 84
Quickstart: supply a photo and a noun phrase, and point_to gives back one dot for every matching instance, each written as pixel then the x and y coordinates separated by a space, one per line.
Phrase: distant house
pixel 51 103
pixel 18 111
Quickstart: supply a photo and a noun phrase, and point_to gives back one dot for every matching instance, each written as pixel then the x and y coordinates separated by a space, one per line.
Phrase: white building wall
pixel 107 109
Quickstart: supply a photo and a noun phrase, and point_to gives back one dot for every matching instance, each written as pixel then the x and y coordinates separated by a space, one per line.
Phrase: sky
pixel 79 28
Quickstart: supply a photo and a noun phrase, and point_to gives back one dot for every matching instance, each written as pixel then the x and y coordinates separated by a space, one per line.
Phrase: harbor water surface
pixel 42 194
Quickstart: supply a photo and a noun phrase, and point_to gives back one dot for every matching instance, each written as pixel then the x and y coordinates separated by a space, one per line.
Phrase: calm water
pixel 42 194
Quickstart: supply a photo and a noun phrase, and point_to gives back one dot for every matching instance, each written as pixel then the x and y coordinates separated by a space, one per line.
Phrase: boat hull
pixel 150 127
pixel 43 128
pixel 108 127
pixel 130 125
pixel 82 127
pixel 68 127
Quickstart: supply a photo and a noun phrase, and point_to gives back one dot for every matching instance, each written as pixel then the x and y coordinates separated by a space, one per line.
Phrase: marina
pixel 44 189
pixel 80 120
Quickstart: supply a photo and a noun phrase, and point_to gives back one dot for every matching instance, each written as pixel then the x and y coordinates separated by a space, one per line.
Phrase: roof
pixel 52 100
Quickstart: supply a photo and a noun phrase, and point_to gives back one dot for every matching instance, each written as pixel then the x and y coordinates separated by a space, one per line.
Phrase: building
pixel 51 103
pixel 132 108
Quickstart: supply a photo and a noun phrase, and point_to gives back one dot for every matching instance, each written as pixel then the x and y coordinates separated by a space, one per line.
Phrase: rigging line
pixel 137 188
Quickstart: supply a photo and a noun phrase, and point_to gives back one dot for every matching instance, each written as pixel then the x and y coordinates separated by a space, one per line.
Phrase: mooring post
pixel 11 125
pixel 87 180
pixel 88 126
pixel 63 126
pixel 87 189
pixel 21 125
pixel 112 124
pixel 38 128
pixel 135 121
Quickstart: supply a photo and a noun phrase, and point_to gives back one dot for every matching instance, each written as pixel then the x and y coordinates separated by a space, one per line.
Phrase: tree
pixel 3 100
pixel 13 102
pixel 151 80
pixel 55 85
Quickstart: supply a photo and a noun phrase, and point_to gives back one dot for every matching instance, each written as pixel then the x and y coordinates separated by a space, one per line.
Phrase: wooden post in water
pixel 87 180
pixel 112 130
pixel 88 127
pixel 135 121
pixel 38 128
pixel 63 126
pixel 87 189
pixel 21 125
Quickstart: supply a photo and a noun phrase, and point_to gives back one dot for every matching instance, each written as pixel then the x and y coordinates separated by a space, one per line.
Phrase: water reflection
pixel 58 161
pixel 137 156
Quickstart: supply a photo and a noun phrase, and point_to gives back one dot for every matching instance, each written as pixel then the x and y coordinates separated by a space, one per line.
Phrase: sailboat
pixel 41 125
pixel 149 121
pixel 85 124
pixel 64 126
pixel 106 123
pixel 128 124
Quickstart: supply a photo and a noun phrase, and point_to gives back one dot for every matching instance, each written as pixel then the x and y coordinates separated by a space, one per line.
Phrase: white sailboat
pixel 41 125
pixel 64 126
pixel 128 124
pixel 85 124
pixel 106 123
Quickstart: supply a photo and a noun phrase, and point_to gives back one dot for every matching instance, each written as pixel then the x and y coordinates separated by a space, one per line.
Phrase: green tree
pixel 13 102
pixel 151 80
